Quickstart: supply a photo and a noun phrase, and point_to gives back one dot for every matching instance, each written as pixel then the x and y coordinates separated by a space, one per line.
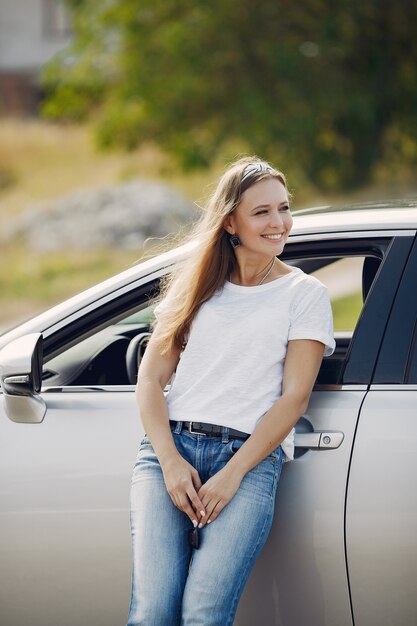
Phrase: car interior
pixel 111 356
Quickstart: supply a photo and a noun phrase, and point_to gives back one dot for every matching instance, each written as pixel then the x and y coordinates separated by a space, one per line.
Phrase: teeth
pixel 273 236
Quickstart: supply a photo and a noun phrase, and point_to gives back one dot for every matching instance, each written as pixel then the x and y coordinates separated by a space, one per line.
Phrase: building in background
pixel 31 32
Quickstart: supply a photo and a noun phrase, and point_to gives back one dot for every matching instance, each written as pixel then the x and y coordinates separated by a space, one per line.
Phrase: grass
pixel 35 282
pixel 41 161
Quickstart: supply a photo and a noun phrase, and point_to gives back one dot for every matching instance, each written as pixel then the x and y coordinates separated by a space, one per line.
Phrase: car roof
pixel 404 203
pixel 390 215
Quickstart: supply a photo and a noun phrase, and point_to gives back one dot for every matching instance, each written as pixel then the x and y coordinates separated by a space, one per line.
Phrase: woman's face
pixel 262 220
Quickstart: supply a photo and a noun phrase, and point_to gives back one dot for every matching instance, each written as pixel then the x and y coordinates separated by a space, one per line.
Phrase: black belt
pixel 200 428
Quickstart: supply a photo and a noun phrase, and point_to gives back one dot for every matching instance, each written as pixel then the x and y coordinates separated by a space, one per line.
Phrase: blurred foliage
pixel 328 87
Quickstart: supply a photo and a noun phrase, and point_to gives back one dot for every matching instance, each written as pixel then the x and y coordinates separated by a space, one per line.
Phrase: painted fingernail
pixel 195 523
pixel 209 521
pixel 200 525
pixel 202 513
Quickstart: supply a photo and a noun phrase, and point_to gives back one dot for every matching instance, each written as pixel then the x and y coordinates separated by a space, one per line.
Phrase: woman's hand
pixel 218 491
pixel 183 482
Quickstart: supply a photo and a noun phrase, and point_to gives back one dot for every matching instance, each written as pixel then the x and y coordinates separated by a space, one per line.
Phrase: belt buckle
pixel 194 432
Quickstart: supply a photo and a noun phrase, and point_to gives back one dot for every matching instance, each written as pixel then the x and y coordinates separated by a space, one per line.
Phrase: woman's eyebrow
pixel 265 206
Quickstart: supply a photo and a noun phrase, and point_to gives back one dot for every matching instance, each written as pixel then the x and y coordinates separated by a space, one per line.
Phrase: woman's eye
pixel 262 211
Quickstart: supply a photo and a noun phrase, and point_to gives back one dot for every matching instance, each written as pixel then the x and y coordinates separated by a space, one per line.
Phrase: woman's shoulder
pixel 307 280
pixel 305 288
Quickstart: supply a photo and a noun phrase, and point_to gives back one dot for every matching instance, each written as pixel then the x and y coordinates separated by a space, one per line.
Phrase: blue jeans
pixel 174 584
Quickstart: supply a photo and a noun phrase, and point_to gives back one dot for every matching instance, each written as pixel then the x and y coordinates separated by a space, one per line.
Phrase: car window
pixel 105 357
pixel 348 280
pixel 343 279
pixel 143 316
pixel 111 355
pixel 397 358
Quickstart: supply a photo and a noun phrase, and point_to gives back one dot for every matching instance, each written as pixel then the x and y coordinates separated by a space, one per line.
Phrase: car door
pixel 381 513
pixel 65 552
pixel 64 513
pixel 301 576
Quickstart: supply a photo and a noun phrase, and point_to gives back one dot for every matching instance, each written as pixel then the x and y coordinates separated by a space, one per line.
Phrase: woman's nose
pixel 276 219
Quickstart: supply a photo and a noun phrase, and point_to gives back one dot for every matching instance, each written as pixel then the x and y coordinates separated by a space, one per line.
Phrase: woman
pixel 245 335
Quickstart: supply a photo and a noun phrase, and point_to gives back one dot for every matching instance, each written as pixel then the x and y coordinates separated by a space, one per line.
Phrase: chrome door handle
pixel 319 440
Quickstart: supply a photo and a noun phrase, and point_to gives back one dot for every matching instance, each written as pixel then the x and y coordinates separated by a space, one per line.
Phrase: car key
pixel 194 538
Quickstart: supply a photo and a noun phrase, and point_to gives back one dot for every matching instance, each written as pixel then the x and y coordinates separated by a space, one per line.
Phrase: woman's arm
pixel 181 478
pixel 301 368
pixel 302 364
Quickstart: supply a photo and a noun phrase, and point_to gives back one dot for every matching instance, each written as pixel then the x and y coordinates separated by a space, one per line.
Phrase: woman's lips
pixel 273 237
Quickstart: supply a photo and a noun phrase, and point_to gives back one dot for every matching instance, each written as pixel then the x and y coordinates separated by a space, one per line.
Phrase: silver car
pixel 343 546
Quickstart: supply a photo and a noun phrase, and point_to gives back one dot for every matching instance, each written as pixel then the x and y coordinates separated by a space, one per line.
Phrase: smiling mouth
pixel 273 237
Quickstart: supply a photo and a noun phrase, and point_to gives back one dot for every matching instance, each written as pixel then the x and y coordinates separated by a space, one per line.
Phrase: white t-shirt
pixel 230 372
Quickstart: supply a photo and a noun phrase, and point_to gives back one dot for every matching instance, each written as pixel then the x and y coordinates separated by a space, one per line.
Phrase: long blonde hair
pixel 212 258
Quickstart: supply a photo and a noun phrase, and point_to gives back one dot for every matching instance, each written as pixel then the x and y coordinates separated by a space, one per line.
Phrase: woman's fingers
pixel 184 505
pixel 217 492
pixel 193 495
pixel 216 511
pixel 196 479
pixel 182 501
pixel 213 509
pixel 184 494
pixel 201 503
pixel 198 506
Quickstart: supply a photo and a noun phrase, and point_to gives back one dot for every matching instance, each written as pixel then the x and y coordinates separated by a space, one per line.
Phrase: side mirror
pixel 21 379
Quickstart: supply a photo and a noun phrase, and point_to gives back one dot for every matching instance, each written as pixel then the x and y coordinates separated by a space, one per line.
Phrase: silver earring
pixel 235 241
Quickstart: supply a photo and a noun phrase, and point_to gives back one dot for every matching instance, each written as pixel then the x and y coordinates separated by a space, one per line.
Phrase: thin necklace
pixel 268 272
pixel 265 276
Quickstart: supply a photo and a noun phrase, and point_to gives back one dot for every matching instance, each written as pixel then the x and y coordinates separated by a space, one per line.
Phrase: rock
pixel 121 216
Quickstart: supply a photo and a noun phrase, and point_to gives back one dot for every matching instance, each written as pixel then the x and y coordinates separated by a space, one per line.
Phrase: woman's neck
pixel 251 276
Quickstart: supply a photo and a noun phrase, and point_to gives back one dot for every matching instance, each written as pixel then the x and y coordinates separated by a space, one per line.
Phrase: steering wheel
pixel 134 354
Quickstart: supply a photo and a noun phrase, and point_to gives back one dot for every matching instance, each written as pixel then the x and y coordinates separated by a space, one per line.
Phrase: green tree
pixel 325 86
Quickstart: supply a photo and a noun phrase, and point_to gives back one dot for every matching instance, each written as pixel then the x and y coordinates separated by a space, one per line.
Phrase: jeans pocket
pixel 235 444
pixel 145 447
